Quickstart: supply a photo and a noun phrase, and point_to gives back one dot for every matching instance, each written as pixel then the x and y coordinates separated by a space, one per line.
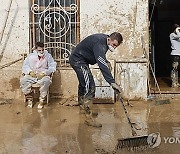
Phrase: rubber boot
pixel 174 75
pixel 94 113
pixel 29 99
pixel 80 100
pixel 80 103
pixel 29 103
pixel 41 103
pixel 174 78
pixel 177 83
pixel 82 110
pixel 87 107
pixel 92 122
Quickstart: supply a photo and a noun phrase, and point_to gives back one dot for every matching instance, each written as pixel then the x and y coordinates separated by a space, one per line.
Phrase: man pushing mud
pixel 93 50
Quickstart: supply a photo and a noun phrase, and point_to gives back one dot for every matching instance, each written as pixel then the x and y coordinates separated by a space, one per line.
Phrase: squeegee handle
pixel 125 111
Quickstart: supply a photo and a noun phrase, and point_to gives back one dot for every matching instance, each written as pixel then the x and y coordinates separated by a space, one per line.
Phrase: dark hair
pixel 116 36
pixel 39 44
pixel 175 26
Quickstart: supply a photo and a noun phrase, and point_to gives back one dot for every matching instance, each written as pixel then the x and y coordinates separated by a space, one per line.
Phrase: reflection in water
pixel 36 138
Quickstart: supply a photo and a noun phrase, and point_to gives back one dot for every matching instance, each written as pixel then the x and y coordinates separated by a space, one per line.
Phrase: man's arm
pixel 51 65
pixel 99 53
pixel 109 66
pixel 26 66
pixel 101 60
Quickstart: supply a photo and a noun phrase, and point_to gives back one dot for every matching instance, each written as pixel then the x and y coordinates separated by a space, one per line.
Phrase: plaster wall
pixel 14 40
pixel 14 30
pixel 130 18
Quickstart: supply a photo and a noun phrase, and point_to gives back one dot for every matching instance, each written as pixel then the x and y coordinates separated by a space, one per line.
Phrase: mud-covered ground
pixel 60 129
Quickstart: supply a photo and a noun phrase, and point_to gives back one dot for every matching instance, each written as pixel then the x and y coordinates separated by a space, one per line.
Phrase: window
pixel 56 23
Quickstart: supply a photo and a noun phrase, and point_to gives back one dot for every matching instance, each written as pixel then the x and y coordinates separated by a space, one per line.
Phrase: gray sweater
pixel 175 43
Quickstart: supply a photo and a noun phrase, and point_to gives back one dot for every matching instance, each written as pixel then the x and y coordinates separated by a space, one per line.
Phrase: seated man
pixel 37 68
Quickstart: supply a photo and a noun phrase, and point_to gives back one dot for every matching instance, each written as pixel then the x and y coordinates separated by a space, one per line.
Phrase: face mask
pixel 40 54
pixel 111 48
pixel 177 30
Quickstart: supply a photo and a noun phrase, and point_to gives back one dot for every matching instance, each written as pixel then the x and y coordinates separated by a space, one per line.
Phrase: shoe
pixel 30 103
pixel 93 123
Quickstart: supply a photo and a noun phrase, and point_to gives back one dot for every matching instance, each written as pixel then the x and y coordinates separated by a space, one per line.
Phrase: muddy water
pixel 61 129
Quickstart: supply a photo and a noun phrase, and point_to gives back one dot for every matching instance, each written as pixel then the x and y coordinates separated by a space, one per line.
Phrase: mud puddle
pixel 61 129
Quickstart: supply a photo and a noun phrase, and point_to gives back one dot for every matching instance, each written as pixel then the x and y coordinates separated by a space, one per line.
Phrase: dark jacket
pixel 93 50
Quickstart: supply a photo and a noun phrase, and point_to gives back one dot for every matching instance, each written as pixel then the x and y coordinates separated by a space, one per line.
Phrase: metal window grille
pixel 56 23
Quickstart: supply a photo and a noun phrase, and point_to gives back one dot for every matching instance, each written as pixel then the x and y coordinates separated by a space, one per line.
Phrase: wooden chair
pixel 35 89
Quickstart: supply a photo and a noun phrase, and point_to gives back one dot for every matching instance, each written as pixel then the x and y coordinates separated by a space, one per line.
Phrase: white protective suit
pixel 45 65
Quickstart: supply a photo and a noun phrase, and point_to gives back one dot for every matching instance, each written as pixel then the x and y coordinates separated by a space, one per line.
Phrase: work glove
pixel 40 75
pixel 116 87
pixel 109 66
pixel 32 74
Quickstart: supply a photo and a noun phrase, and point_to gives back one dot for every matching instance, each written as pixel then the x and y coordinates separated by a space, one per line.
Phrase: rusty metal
pixel 56 23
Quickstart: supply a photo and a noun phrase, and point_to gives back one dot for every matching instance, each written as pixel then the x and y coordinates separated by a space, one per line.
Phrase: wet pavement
pixel 61 129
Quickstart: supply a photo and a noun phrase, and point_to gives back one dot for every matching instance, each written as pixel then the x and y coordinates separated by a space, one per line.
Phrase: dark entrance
pixel 163 14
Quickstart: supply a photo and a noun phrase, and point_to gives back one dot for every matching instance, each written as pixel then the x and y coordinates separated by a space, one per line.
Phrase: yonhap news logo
pixel 154 140
pixel 171 140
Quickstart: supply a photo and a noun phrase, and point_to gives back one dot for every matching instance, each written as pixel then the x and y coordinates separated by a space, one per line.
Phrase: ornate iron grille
pixel 56 23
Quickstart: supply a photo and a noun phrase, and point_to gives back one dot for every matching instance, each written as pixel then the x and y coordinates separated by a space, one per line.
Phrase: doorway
pixel 163 14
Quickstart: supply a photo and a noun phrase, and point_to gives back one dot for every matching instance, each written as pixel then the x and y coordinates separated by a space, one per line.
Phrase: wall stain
pixel 14 82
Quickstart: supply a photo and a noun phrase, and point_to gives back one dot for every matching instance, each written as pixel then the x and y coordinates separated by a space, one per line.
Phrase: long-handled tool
pixel 125 111
pixel 134 141
pixel 161 101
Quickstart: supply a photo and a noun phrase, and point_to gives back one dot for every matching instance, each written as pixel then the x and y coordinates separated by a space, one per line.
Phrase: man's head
pixel 175 28
pixel 40 48
pixel 114 40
